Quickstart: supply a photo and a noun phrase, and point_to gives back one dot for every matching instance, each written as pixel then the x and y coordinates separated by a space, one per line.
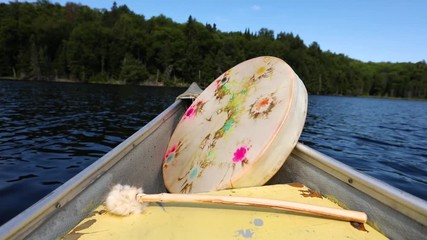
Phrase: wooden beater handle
pixel 334 213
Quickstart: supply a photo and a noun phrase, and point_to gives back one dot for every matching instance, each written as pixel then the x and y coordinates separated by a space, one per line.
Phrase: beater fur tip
pixel 121 200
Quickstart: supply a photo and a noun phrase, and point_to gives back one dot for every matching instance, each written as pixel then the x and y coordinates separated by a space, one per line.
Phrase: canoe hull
pixel 202 221
pixel 395 213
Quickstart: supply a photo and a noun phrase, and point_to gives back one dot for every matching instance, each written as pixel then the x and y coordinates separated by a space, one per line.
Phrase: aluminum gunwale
pixel 399 200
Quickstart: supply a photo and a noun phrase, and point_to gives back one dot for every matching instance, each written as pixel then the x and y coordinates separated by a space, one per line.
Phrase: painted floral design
pixel 194 109
pixel 193 173
pixel 222 80
pixel 236 97
pixel 172 153
pixel 188 179
pixel 239 155
pixel 262 106
pixel 221 87
pixel 262 73
pixel 191 112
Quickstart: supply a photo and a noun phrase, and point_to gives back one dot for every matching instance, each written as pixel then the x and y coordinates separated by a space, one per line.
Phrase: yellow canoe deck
pixel 210 221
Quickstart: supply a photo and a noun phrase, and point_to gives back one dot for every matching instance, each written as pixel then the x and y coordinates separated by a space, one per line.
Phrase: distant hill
pixel 45 41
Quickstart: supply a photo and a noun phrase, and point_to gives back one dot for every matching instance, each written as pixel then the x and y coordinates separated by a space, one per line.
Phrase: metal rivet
pixel 350 180
pixel 58 205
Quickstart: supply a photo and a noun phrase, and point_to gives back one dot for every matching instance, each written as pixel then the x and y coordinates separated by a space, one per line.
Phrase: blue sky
pixel 368 30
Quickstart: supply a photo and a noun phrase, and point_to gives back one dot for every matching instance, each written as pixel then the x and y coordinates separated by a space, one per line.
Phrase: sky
pixel 367 30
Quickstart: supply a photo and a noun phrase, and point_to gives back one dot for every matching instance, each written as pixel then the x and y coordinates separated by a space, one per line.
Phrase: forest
pixel 51 42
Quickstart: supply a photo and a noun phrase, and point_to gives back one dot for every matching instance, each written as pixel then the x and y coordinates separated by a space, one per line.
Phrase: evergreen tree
pixel 43 40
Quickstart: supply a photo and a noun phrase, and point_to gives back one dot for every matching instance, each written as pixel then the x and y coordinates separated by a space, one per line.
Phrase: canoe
pixel 138 161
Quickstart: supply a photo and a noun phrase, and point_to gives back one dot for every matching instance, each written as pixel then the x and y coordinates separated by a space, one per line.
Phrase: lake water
pixel 51 131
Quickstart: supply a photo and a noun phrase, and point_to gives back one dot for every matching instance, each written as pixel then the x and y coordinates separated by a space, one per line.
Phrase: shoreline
pixel 65 80
pixel 180 84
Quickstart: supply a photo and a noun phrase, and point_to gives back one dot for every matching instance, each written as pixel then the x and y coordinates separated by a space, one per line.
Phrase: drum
pixel 239 131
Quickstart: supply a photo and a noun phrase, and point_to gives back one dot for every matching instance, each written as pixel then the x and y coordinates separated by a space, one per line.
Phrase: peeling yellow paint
pixel 74 235
pixel 310 193
pixel 210 221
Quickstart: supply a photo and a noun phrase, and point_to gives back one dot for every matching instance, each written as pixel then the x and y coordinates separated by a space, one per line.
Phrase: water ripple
pixel 383 138
pixel 52 131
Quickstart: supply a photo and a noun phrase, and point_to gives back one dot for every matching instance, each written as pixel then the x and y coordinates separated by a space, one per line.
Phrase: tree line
pixel 48 41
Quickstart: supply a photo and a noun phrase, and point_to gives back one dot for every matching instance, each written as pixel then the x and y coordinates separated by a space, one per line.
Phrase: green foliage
pixel 48 41
pixel 133 70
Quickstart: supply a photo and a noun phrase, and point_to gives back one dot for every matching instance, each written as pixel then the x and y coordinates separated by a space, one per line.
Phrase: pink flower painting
pixel 171 153
pixel 191 112
pixel 194 109
pixel 240 155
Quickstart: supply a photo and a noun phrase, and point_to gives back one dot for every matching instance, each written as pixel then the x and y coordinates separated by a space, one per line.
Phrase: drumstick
pixel 124 200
